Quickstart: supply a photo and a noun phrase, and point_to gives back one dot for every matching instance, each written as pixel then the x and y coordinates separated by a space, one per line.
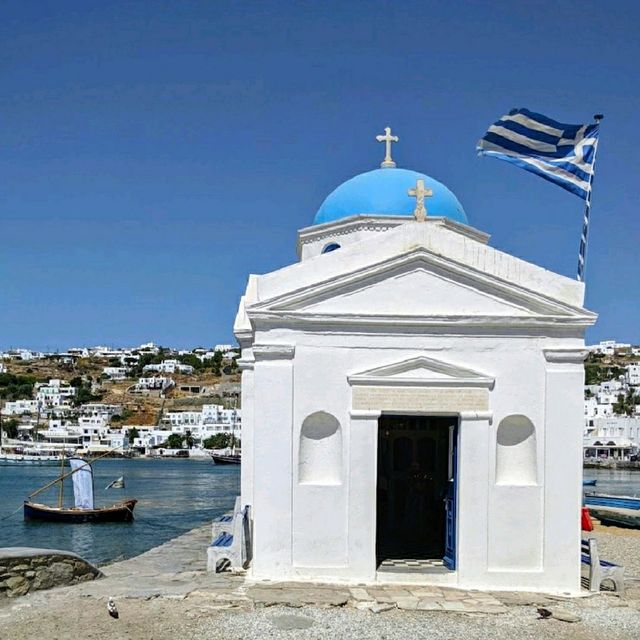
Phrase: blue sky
pixel 153 154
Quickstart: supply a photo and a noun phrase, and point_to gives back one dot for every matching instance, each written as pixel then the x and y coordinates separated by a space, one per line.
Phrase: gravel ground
pixel 599 622
pixel 621 546
pixel 602 618
pixel 72 613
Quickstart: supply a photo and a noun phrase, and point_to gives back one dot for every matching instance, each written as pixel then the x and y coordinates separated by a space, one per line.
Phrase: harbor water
pixel 174 496
pixel 619 482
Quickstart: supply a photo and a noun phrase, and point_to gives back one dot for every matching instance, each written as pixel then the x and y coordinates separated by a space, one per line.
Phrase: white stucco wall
pixel 514 530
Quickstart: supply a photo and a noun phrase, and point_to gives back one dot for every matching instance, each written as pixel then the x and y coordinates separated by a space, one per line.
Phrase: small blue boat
pixel 615 502
pixel 589 483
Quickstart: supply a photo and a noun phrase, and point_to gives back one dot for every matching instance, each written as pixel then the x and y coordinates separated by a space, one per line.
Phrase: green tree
pixel 16 387
pixel 10 427
pixel 193 360
pixel 189 439
pixel 132 433
pixel 217 441
pixel 174 441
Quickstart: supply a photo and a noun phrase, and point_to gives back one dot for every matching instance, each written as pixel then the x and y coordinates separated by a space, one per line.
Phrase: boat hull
pixel 617 517
pixel 30 460
pixel 120 512
pixel 220 459
pixel 615 502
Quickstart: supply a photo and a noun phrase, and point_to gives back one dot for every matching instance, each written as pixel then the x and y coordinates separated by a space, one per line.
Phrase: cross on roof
pixel 420 193
pixel 387 138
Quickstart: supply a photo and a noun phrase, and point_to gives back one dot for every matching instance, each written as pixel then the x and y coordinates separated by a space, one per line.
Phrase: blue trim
pixel 451 506
pixel 332 246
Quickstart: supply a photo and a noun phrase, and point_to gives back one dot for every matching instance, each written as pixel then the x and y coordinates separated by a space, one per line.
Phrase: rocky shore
pixel 23 570
pixel 166 593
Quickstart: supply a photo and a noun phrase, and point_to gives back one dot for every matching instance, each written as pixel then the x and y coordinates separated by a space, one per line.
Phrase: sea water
pixel 618 482
pixel 173 496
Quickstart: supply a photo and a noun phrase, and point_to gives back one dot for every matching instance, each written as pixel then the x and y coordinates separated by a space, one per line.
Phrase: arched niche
pixel 320 455
pixel 516 456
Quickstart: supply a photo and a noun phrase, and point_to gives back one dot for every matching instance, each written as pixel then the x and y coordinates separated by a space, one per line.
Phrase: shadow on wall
pixel 516 453
pixel 320 455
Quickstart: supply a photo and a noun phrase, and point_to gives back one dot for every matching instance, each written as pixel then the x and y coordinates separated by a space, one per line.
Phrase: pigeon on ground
pixel 544 613
pixel 111 608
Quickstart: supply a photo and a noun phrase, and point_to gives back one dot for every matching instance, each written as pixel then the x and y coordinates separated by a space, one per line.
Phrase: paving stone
pixel 357 593
pixel 409 603
pixel 428 604
pixel 565 616
pixel 426 592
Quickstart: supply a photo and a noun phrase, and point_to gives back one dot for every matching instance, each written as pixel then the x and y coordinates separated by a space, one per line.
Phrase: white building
pixel 116 373
pixel 198 422
pixel 154 383
pixel 55 393
pixel 609 347
pixel 410 392
pixel 615 437
pixel 20 407
pixel 170 366
pixel 632 376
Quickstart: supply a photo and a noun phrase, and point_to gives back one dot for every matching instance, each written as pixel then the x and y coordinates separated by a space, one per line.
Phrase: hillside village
pixel 148 400
pixel 151 400
pixel 612 402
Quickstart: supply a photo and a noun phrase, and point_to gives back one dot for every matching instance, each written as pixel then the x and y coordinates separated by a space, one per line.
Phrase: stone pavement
pixel 177 570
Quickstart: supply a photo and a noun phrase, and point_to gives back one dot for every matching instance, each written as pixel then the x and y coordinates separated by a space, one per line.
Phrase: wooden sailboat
pixel 234 456
pixel 84 509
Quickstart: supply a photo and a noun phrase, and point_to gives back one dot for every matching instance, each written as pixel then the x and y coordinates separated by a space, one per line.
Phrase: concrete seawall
pixel 24 569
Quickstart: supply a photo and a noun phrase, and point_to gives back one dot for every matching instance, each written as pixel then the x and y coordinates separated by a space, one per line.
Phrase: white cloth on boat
pixel 82 483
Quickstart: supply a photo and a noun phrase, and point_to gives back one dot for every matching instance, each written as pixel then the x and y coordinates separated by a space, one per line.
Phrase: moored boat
pixel 119 512
pixel 589 483
pixel 7 458
pixel 84 509
pixel 232 458
pixel 617 516
pixel 611 501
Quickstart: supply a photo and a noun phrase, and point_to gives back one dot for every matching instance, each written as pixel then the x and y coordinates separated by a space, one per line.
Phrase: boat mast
pixel 61 491
pixel 70 473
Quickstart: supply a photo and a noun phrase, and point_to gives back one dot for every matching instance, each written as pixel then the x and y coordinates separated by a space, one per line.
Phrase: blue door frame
pixel 451 501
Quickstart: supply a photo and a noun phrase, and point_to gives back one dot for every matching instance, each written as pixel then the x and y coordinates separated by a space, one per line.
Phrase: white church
pixel 412 400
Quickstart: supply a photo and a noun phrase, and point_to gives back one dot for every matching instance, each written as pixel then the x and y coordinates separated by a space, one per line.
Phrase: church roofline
pixel 377 222
pixel 436 242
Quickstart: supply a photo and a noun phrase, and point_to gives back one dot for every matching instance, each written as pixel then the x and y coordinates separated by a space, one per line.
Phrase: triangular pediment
pixel 421 371
pixel 418 286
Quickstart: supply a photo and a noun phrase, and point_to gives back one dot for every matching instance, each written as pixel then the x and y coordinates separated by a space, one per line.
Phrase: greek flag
pixel 561 153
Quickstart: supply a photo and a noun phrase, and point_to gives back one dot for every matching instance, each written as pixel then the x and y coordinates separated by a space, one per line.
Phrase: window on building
pixel 332 246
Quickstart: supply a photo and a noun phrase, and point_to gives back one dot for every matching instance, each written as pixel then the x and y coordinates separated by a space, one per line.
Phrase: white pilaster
pixel 363 465
pixel 272 436
pixel 474 439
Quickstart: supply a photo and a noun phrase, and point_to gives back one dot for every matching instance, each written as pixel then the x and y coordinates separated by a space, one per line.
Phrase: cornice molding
pixel 262 352
pixel 245 364
pixel 377 222
pixel 293 302
pixel 313 320
pixel 362 414
pixel 473 416
pixel 450 375
pixel 566 355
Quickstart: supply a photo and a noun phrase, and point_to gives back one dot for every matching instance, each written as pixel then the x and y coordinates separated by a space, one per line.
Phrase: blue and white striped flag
pixel 561 153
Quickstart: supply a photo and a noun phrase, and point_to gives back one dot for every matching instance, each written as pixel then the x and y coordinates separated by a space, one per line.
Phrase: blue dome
pixel 384 191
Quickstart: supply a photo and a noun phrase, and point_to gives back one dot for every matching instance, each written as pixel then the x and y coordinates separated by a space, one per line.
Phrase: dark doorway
pixel 416 465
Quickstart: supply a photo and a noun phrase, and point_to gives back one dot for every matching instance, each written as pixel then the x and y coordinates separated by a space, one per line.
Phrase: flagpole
pixel 584 237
